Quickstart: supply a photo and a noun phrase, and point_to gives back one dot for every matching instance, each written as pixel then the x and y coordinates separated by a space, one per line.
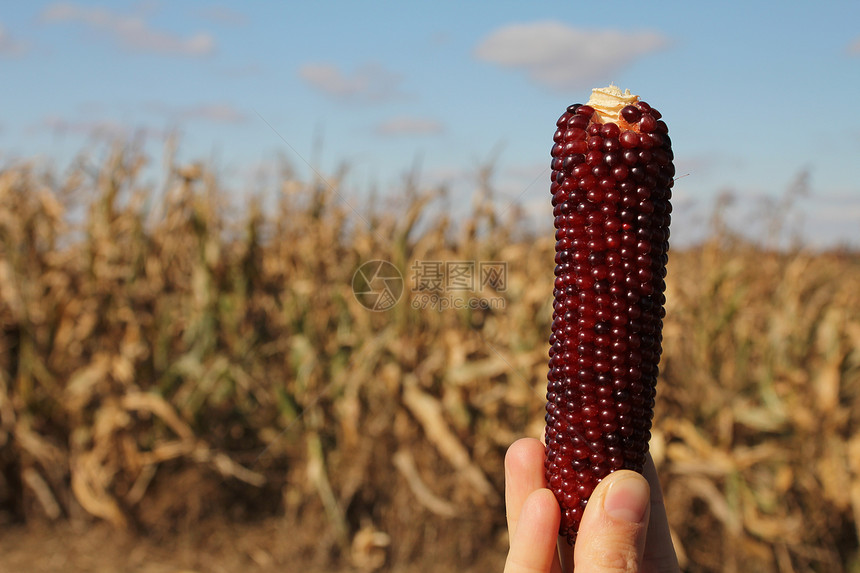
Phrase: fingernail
pixel 627 499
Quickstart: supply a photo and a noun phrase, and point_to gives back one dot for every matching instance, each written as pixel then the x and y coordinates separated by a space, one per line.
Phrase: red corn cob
pixel 612 175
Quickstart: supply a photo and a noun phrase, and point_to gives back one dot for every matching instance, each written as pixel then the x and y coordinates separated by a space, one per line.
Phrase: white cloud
pixel 370 83
pixel 102 129
pixel 214 112
pixel 9 46
pixel 131 32
pixel 409 126
pixel 561 56
pixel 217 112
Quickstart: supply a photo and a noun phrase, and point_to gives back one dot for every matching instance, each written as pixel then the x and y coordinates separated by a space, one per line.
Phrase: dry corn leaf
pixel 428 412
pixel 405 464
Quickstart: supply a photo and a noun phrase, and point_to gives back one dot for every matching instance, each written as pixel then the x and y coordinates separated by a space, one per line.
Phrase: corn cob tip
pixel 609 101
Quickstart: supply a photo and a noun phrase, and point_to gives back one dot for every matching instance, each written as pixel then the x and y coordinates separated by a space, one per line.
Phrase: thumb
pixel 611 536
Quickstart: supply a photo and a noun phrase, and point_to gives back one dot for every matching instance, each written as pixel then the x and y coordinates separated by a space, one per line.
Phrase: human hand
pixel 623 529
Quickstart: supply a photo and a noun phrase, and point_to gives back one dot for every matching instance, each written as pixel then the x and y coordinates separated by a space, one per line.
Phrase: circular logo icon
pixel 377 285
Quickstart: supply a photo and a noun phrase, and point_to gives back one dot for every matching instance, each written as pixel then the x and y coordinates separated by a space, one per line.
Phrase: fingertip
pixel 525 447
pixel 523 456
pixel 541 506
pixel 627 498
pixel 615 523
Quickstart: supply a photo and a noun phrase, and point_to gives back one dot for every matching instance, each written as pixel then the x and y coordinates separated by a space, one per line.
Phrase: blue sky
pixel 754 93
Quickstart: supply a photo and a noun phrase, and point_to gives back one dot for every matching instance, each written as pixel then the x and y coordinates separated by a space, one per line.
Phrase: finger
pixel 614 525
pixel 659 554
pixel 533 546
pixel 524 474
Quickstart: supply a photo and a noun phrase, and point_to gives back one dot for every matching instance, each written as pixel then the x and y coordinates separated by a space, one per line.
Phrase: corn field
pixel 168 361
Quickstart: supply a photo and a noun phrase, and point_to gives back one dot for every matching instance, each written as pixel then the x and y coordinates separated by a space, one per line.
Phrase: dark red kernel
pixel 594 157
pixel 619 172
pixel 629 139
pixel 581 170
pixel 609 131
pixel 578 122
pixel 571 161
pixel 612 158
pixel 595 196
pixel 574 134
pixel 631 114
pixel 594 142
pixel 601 170
pixel 611 144
pixel 647 124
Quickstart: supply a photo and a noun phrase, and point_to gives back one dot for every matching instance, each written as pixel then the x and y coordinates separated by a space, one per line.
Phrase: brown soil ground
pixel 214 546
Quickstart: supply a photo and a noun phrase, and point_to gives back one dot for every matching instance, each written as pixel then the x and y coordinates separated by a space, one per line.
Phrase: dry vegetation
pixel 166 366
